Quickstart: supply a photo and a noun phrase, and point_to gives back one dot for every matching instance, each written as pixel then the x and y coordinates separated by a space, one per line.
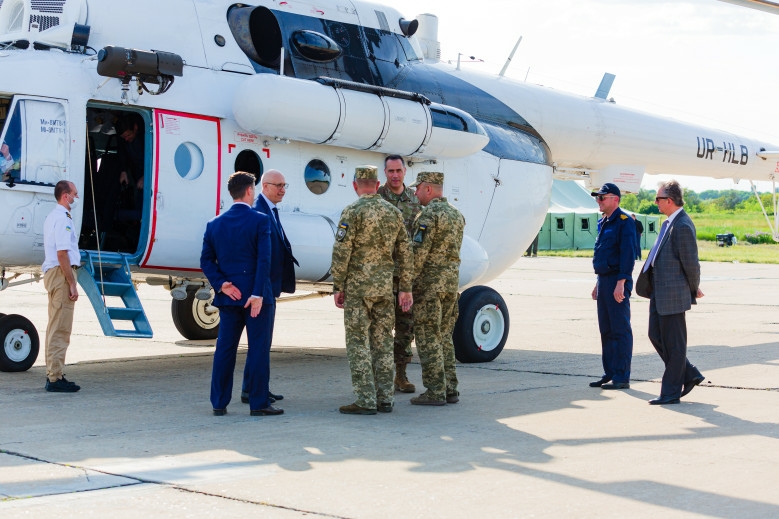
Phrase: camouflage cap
pixel 431 177
pixel 366 173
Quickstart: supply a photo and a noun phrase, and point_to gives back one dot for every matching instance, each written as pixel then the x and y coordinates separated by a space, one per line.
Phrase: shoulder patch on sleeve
pixel 623 217
pixel 419 236
pixel 340 234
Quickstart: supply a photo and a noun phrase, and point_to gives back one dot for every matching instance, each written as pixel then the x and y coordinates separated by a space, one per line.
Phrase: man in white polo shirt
pixel 60 244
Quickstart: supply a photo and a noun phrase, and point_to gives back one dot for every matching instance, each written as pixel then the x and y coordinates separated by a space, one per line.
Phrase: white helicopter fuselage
pixel 201 107
pixel 313 91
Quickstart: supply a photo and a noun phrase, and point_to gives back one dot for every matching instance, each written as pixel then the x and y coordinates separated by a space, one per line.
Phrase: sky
pixel 702 61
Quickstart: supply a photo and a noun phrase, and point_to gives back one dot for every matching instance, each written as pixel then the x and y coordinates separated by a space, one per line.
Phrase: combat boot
pixel 355 409
pixel 401 380
pixel 426 399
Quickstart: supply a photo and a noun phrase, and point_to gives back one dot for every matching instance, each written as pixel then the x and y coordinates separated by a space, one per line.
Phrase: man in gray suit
pixel 670 278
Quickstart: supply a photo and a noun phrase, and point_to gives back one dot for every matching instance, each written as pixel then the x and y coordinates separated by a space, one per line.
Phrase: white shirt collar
pixel 271 205
pixel 673 215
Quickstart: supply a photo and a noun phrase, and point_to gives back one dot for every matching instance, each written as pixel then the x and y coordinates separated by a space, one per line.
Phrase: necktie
pixel 651 258
pixel 278 222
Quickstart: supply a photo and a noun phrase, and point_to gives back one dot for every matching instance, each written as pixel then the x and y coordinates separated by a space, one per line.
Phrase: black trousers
pixel 668 334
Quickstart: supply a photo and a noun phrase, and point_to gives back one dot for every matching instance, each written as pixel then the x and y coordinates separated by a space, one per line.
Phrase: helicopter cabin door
pixel 187 181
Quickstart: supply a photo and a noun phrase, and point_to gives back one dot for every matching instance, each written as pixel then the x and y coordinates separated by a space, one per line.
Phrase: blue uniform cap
pixel 608 189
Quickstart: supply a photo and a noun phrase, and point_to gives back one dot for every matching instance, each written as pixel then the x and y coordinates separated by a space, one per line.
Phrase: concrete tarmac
pixel 529 438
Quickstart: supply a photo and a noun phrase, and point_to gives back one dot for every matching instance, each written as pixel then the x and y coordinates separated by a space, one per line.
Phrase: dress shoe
pixel 275 397
pixel 220 412
pixel 355 409
pixel 426 399
pixel 271 397
pixel 689 386
pixel 616 385
pixel 452 398
pixel 61 386
pixel 664 400
pixel 266 411
pixel 384 407
pixel 599 383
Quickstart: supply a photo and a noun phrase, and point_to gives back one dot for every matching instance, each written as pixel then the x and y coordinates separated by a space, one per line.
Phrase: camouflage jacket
pixel 406 202
pixel 369 233
pixel 409 207
pixel 437 237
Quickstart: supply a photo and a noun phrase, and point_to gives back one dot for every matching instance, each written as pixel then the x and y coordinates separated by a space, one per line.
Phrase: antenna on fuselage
pixel 605 86
pixel 508 61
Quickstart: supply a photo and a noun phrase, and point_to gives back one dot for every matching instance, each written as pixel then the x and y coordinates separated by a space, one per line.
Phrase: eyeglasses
pixel 601 198
pixel 658 198
pixel 278 186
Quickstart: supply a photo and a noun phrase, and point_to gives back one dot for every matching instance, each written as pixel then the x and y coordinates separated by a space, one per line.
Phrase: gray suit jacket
pixel 677 272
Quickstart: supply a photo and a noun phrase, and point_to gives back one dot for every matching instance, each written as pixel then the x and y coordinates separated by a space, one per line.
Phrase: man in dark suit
pixel 282 262
pixel 236 260
pixel 670 278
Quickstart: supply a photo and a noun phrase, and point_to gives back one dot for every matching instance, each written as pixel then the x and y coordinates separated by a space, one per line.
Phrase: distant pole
pixel 506 65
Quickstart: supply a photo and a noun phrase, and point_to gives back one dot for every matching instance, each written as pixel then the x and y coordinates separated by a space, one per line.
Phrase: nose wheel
pixel 19 343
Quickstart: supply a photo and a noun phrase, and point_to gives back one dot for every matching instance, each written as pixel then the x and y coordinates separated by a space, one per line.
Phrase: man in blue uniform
pixel 613 260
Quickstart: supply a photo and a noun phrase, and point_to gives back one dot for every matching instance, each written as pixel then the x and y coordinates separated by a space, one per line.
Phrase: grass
pixel 709 225
pixel 707 251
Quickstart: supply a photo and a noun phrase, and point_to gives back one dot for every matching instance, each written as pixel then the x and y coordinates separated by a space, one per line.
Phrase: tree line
pixel 710 201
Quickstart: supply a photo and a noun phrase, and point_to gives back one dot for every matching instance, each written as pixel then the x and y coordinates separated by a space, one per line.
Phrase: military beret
pixel 366 173
pixel 431 177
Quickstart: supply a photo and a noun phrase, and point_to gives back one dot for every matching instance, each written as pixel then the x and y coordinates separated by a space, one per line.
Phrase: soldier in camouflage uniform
pixel 436 239
pixel 369 235
pixel 396 193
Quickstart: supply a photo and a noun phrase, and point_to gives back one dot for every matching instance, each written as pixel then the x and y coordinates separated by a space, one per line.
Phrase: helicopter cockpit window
pixel 408 49
pixel 34 125
pixel 317 177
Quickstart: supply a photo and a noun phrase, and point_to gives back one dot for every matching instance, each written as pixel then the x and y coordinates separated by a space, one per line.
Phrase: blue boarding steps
pixel 105 278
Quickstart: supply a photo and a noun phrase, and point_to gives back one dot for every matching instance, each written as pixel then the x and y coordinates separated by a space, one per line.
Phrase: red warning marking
pixel 267 152
pixel 230 148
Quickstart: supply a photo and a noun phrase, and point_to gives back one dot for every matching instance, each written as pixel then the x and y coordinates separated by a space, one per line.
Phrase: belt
pixel 75 267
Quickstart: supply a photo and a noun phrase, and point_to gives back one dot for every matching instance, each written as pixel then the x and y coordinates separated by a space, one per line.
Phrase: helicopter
pixel 149 114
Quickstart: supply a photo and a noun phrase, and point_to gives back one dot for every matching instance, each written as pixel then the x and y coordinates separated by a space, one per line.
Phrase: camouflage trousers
pixel 404 333
pixel 435 314
pixel 368 322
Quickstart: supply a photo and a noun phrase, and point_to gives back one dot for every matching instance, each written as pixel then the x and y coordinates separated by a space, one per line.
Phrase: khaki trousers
pixel 60 322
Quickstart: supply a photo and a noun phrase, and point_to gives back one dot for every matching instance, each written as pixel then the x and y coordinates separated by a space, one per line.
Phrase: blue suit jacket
pixel 282 264
pixel 237 248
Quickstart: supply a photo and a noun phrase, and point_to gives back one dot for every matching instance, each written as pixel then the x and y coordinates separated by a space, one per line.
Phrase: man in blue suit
pixel 236 260
pixel 282 262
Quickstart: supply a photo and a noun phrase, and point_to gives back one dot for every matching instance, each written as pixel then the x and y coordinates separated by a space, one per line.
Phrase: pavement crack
pixel 143 481
pixel 581 375
pixel 260 503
